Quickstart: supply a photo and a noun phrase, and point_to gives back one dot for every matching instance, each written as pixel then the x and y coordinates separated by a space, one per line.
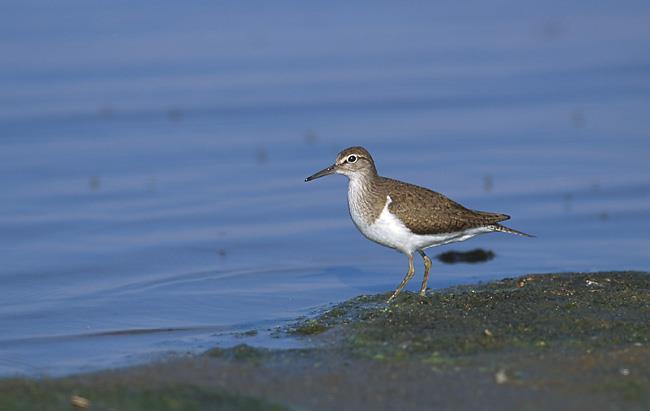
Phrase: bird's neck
pixel 365 198
pixel 361 184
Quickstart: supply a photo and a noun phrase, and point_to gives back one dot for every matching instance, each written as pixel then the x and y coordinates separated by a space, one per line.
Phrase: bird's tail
pixel 504 229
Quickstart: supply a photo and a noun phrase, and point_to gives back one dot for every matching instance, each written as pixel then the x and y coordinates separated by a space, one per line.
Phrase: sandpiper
pixel 404 216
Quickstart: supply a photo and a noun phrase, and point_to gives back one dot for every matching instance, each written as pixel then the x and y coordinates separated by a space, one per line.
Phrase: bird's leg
pixel 406 279
pixel 427 267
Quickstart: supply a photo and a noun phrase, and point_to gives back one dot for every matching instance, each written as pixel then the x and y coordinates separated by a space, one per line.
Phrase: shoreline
pixel 571 340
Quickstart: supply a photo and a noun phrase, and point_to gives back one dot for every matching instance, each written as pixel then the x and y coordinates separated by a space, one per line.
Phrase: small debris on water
pixel 174 114
pixel 577 118
pixel 488 333
pixel 152 184
pixel 552 29
pixel 262 155
pixel 94 183
pixel 488 183
pixel 311 137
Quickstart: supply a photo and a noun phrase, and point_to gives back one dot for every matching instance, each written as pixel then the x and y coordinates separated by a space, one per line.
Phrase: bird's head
pixel 353 161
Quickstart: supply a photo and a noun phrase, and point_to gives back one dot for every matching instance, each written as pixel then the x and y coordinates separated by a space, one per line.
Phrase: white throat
pixel 357 189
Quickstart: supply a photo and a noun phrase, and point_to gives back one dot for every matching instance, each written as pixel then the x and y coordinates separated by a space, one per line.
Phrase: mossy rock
pixel 537 311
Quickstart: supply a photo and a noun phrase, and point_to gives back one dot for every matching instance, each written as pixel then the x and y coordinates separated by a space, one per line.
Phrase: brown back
pixel 427 212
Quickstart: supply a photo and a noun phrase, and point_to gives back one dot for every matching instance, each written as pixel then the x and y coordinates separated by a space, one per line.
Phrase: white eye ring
pixel 352 159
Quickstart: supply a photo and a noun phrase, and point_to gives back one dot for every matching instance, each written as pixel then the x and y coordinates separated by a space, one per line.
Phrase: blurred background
pixel 152 157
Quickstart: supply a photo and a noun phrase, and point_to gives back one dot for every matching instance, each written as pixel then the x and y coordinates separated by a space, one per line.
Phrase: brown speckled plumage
pixel 422 211
pixel 427 212
pixel 404 216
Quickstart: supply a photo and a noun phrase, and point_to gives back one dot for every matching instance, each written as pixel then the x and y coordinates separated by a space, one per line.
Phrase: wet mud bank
pixel 553 341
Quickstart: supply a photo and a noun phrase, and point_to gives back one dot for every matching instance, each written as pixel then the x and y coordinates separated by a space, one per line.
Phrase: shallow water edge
pixel 572 340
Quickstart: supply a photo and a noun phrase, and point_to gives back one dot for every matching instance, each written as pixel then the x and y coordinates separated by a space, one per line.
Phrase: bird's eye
pixel 352 159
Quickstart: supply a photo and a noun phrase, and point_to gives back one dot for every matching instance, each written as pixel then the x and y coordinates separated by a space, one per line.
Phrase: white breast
pixel 389 231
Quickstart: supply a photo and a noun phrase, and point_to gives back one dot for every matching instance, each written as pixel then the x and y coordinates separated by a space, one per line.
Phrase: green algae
pixel 346 313
pixel 538 312
pixel 54 395
pixel 240 352
pixel 310 327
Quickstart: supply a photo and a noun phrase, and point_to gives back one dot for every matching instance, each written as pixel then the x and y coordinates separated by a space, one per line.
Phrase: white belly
pixel 388 230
